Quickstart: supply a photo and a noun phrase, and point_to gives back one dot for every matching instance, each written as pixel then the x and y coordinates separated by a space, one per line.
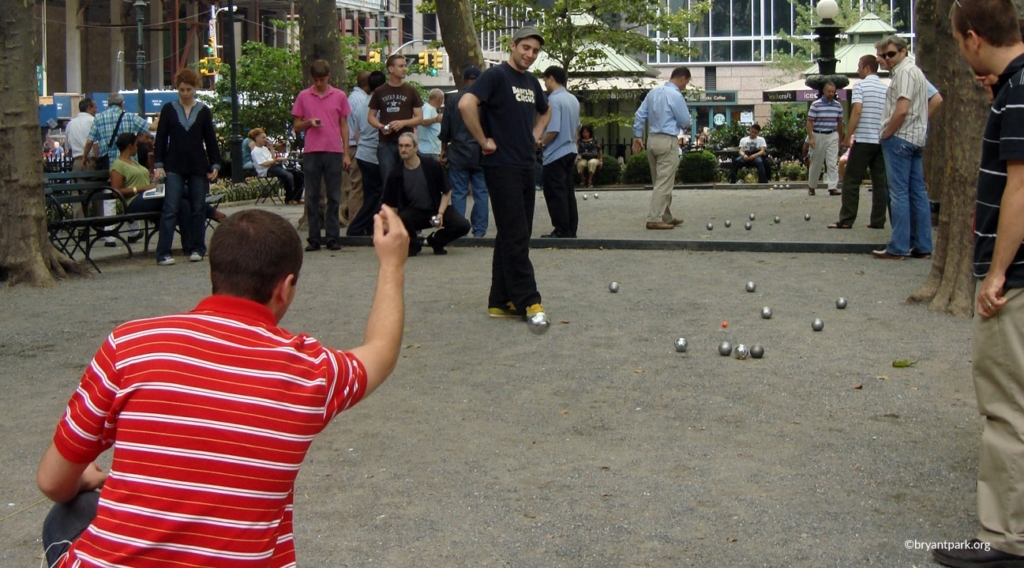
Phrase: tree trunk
pixel 455 19
pixel 319 38
pixel 26 255
pixel 952 156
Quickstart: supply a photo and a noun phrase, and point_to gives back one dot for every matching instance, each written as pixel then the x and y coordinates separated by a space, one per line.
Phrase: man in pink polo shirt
pixel 321 111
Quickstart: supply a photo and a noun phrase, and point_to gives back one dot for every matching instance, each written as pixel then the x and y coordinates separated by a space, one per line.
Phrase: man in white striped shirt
pixel 865 119
pixel 904 131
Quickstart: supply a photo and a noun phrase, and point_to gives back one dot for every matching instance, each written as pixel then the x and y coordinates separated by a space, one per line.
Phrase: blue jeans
pixel 461 181
pixel 193 225
pixel 66 522
pixel 322 170
pixel 388 159
pixel 910 212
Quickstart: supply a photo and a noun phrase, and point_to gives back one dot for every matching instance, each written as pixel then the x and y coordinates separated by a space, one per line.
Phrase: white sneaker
pixel 195 257
pixel 167 261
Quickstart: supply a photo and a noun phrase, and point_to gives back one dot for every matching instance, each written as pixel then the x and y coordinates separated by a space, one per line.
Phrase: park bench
pixel 68 191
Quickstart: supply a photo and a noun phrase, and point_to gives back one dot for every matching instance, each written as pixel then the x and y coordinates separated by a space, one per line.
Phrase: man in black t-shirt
pixel 395 108
pixel 989 38
pixel 418 189
pixel 499 109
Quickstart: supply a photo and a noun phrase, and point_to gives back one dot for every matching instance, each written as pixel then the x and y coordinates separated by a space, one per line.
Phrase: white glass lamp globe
pixel 827 9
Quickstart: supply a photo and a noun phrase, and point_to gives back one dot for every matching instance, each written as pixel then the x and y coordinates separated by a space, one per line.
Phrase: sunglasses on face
pixel 888 55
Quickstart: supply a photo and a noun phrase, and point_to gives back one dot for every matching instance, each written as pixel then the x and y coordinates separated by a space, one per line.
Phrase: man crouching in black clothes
pixel 419 190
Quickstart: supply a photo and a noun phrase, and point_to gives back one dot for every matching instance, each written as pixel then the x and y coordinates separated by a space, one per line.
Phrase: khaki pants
pixel 351 190
pixel 663 155
pixel 826 150
pixel 999 385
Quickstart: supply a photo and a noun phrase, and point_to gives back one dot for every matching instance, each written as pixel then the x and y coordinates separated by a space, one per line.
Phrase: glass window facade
pixel 745 31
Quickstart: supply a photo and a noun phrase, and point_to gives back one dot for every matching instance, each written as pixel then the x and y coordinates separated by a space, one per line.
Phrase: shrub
pixel 792 170
pixel 785 134
pixel 638 170
pixel 698 167
pixel 609 172
pixel 728 136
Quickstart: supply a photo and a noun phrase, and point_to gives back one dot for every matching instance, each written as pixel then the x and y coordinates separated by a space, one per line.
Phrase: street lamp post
pixel 235 142
pixel 826 32
pixel 140 57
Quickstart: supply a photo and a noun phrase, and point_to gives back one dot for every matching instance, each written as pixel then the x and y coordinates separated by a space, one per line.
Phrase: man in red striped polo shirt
pixel 211 412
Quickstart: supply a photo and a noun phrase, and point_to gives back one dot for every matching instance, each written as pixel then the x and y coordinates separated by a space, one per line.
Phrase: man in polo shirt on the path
pixel 989 38
pixel 559 145
pixel 865 118
pixel 904 131
pixel 211 412
pixel 321 111
pixel 824 131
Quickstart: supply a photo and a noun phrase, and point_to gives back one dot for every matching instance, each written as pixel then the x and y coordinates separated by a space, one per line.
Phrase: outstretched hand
pixel 390 239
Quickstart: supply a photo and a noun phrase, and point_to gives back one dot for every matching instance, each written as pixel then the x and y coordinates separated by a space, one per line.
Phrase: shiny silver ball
pixel 728 223
pixel 747 226
pixel 584 197
pixel 613 287
pixel 435 221
pixel 681 345
pixel 596 196
pixel 817 324
pixel 725 349
pixel 841 303
pixel 807 216
pixel 778 219
pixel 711 226
pixel 741 352
pixel 757 351
pixel 751 216
pixel 751 287
pixel 538 324
pixel 766 313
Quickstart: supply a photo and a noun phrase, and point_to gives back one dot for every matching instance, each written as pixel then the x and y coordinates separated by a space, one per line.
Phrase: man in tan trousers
pixel 664 112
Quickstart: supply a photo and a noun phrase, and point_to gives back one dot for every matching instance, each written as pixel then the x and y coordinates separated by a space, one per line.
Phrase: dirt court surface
pixel 596 444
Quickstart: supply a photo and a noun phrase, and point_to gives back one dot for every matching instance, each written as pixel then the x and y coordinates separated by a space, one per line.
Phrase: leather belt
pixel 823 131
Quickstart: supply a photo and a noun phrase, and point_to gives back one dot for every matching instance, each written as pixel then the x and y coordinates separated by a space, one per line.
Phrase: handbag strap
pixel 116 128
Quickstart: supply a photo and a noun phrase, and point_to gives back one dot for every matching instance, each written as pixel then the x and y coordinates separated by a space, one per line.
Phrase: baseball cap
pixel 471 72
pixel 528 31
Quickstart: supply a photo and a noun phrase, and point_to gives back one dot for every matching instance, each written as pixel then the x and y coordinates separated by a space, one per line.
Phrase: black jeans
pixel 325 168
pixel 66 522
pixel 738 162
pixel 292 180
pixel 513 195
pixel 453 226
pixel 862 157
pixel 373 192
pixel 560 195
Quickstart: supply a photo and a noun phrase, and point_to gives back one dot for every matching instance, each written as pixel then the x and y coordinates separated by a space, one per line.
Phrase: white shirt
pixel 750 145
pixel 261 154
pixel 77 132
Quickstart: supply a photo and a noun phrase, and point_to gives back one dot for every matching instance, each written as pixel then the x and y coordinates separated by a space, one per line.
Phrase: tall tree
pixel 26 255
pixel 951 161
pixel 319 38
pixel 455 18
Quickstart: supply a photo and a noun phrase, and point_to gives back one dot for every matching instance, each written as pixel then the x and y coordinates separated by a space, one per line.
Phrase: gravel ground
pixel 596 444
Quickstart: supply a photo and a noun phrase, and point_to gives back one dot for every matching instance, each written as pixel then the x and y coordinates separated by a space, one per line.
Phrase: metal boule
pixel 766 313
pixel 681 345
pixel 538 323
pixel 741 352
pixel 725 349
pixel 747 226
pixel 751 287
pixel 711 226
pixel 751 216
pixel 778 219
pixel 584 197
pixel 817 324
pixel 613 287
pixel 757 351
pixel 595 196
pixel 807 216
pixel 727 223
pixel 841 303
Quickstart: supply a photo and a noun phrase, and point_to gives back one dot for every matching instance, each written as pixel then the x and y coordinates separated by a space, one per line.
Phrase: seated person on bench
pixel 132 179
pixel 753 150
pixel 418 188
pixel 265 163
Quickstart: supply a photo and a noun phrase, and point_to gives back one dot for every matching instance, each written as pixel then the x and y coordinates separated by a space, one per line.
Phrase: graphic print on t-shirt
pixel 393 103
pixel 523 95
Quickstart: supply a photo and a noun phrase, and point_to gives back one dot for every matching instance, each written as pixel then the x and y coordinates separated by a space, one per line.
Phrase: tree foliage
pixel 805 49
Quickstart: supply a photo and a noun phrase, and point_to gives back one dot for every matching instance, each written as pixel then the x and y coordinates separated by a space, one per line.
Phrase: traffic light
pixel 424 61
pixel 438 60
pixel 374 56
pixel 211 47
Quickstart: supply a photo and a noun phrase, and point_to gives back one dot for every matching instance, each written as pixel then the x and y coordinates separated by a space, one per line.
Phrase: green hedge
pixel 609 173
pixel 698 167
pixel 638 170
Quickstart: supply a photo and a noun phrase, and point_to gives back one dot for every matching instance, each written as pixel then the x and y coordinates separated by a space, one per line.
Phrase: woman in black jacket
pixel 187 154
